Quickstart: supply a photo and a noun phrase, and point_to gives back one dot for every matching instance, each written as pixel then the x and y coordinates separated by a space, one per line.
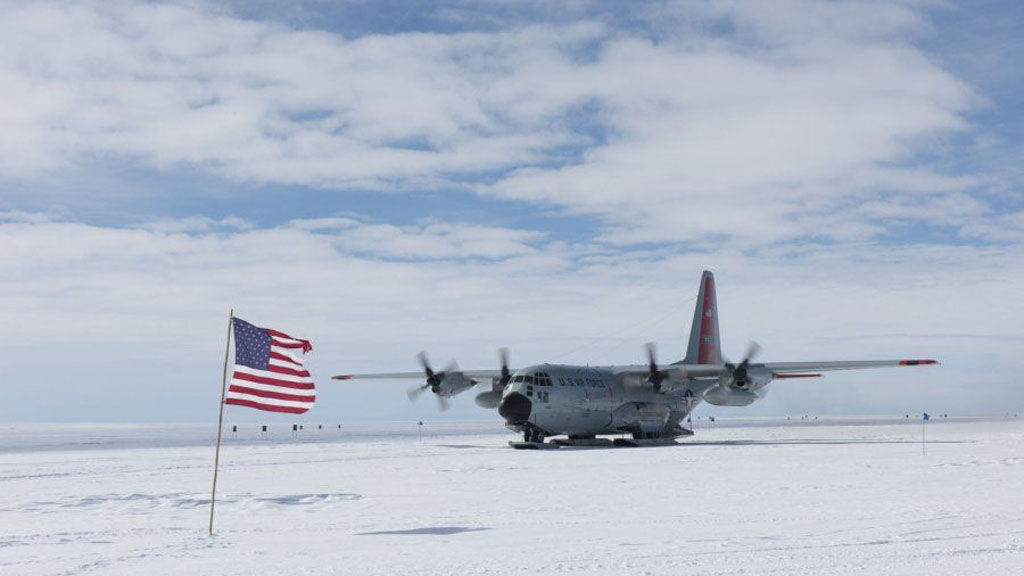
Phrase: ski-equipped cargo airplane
pixel 648 402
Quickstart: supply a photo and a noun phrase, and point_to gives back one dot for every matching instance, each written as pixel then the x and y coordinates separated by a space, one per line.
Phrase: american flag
pixel 268 375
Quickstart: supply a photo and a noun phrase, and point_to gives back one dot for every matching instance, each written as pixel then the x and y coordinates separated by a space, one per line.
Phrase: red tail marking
pixel 707 330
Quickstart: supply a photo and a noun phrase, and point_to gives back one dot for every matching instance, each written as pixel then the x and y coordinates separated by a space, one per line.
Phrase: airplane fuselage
pixel 583 401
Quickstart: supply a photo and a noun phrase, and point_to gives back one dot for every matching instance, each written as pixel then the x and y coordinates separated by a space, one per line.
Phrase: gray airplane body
pixel 646 402
pixel 583 402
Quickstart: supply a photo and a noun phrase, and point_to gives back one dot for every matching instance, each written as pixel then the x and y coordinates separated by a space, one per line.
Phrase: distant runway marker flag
pixel 267 375
pixel 924 418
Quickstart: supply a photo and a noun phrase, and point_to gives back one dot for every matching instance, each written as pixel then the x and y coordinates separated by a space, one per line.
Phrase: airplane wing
pixel 381 376
pixel 677 370
pixel 810 369
pixel 779 369
pixel 472 374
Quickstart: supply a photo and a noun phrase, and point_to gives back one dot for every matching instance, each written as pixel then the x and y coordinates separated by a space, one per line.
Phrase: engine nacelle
pixel 453 383
pixel 488 399
pixel 728 396
pixel 751 379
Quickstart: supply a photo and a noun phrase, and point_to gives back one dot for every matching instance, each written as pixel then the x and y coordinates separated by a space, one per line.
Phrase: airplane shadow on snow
pixel 683 443
pixel 812 442
pixel 428 531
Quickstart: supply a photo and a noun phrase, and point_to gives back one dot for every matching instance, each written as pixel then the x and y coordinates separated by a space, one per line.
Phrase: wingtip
pixel 917 362
pixel 342 377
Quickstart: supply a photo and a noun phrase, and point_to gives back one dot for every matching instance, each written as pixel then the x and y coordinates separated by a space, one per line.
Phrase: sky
pixel 388 177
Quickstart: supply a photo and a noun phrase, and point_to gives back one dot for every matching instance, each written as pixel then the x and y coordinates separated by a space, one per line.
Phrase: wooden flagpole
pixel 220 419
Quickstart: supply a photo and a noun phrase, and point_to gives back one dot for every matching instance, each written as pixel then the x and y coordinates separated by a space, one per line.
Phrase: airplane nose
pixel 515 408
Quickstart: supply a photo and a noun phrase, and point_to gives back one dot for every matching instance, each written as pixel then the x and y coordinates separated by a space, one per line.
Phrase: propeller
pixel 655 377
pixel 491 398
pixel 738 372
pixel 433 378
pixel 433 382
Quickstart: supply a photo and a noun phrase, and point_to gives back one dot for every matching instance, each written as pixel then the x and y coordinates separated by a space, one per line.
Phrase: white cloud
pixel 746 121
pixel 142 294
pixel 773 142
pixel 429 240
pixel 195 224
pixel 1008 227
pixel 740 143
pixel 255 101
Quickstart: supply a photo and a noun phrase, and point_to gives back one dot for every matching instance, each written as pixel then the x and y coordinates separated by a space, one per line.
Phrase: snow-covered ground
pixel 827 497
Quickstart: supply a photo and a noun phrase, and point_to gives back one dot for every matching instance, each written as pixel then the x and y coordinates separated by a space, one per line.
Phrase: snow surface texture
pixel 785 498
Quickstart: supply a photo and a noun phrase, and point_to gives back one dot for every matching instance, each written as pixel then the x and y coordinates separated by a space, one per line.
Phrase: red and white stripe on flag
pixel 267 374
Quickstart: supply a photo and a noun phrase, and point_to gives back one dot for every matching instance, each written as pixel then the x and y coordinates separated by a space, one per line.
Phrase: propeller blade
pixel 415 392
pixel 452 366
pixel 503 358
pixel 442 403
pixel 426 364
pixel 652 353
pixel 655 377
pixel 753 349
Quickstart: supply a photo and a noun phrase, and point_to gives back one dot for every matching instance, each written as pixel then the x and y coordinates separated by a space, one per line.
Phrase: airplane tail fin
pixel 705 346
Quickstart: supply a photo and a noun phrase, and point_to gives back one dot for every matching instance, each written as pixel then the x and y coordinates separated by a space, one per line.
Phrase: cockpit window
pixel 529 379
pixel 517 379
